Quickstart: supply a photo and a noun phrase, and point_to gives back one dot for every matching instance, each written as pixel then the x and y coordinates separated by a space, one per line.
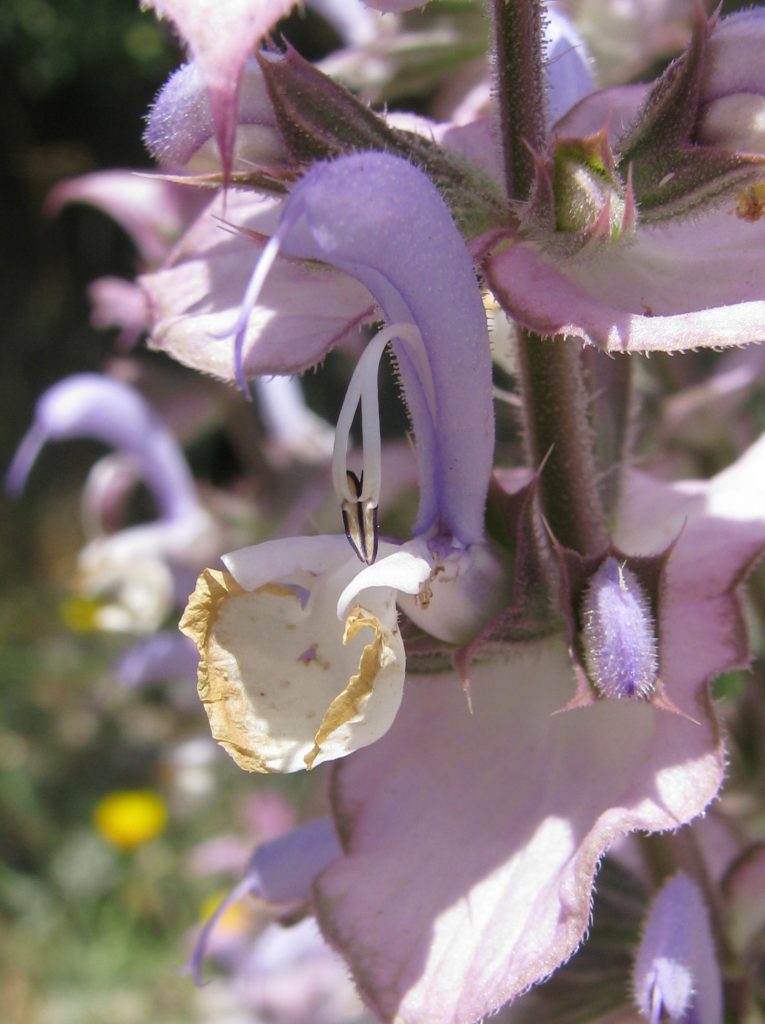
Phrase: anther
pixel 359 496
pixel 360 520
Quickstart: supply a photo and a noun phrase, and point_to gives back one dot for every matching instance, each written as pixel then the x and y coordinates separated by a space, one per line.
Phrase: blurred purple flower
pixel 130 572
pixel 280 871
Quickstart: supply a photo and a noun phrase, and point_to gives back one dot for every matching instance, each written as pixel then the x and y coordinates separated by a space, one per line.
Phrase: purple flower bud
pixel 180 129
pixel 677 977
pixel 619 634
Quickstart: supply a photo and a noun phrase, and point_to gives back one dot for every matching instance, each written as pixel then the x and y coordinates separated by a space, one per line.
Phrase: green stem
pixel 558 429
pixel 552 386
pixel 519 73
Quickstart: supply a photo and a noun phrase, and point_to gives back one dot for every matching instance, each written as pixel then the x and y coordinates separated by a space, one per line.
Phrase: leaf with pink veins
pixel 695 283
pixel 471 842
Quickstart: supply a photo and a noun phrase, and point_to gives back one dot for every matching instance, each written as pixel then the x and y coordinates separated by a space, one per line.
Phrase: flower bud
pixel 180 131
pixel 588 193
pixel 619 635
pixel 676 974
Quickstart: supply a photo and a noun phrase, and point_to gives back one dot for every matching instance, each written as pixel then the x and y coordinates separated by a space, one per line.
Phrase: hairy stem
pixel 554 396
pixel 519 78
pixel 557 428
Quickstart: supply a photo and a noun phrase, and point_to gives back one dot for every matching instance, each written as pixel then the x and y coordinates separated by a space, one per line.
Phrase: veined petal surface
pixel 471 840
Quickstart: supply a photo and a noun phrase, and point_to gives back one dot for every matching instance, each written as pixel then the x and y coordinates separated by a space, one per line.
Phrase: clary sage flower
pixel 297 686
pixel 483 832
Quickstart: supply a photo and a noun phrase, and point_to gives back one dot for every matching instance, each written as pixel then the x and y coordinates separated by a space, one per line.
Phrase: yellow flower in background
pixel 127 818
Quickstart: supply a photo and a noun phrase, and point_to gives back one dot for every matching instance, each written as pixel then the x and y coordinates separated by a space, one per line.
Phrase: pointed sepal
pixel 320 119
pixel 678 182
pixel 674 172
pixel 317 117
pixel 668 115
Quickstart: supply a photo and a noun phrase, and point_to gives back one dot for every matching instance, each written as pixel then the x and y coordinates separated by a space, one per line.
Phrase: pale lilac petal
pixel 89 405
pixel 223 852
pixel 351 19
pixel 695 413
pixel 732 90
pixel 304 309
pixel 677 975
pixel 196 961
pixel 717 530
pixel 293 428
pixel 695 284
pixel 115 302
pixel 284 869
pixel 293 977
pixel 629 37
pixel 106 491
pixel 467 875
pixel 718 525
pixel 734 56
pixel 152 211
pixel 379 219
pixel 220 35
pixel 180 130
pixel 24 458
pixel 735 123
pixel 477 141
pixel 612 110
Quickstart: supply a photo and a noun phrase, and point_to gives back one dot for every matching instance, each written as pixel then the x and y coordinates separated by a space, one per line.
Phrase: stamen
pixel 360 521
pixel 360 496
